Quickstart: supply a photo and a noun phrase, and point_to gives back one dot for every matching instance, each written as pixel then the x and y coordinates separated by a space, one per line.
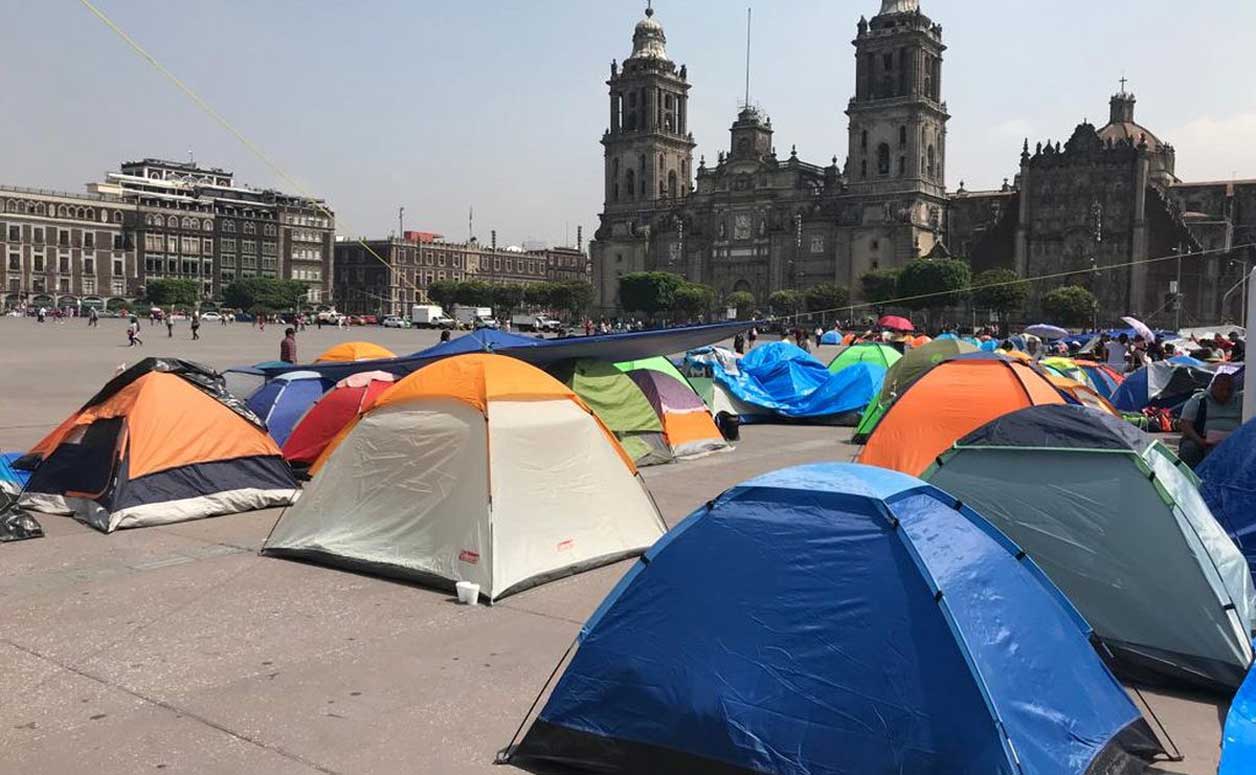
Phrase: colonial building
pixel 755 221
pixel 1104 210
pixel 63 250
pixel 388 276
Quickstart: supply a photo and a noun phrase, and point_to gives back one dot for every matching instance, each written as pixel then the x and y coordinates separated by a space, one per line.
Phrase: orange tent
pixel 162 442
pixel 348 352
pixel 949 402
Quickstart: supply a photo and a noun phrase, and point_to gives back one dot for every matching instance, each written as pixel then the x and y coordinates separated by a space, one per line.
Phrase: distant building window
pixel 902 137
pixel 883 159
pixel 89 240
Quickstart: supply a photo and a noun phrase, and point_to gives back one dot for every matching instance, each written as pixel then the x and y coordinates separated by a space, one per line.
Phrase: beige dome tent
pixel 477 468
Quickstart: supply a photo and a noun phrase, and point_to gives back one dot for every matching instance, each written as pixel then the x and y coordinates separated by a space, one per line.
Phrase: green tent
pixel 620 405
pixel 903 374
pixel 870 352
pixel 658 363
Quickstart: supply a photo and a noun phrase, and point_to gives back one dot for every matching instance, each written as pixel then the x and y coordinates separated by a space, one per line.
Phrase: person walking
pixel 43 313
pixel 753 337
pixel 170 326
pixel 133 332
pixel 288 346
pixel 93 318
pixel 196 325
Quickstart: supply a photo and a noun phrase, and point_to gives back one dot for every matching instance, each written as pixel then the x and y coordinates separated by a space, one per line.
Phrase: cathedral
pixel 1091 211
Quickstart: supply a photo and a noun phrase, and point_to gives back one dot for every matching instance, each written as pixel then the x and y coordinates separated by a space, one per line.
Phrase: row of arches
pixel 634 180
pixel 32 207
pixel 174 222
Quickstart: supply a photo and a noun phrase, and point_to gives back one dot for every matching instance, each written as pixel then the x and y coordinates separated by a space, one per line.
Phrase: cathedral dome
pixel 1121 124
pixel 899 6
pixel 648 40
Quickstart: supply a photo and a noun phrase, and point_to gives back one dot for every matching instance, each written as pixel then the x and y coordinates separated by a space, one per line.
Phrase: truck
pixel 530 322
pixel 430 316
pixel 476 317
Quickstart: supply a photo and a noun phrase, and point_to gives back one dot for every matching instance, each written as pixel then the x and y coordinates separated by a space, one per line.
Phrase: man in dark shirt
pixel 288 347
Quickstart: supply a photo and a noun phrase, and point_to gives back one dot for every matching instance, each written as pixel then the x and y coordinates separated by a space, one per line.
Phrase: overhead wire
pixel 240 136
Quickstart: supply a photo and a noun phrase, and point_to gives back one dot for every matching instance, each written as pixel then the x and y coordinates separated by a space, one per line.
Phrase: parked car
pixel 370 320
pixel 214 316
pixel 392 321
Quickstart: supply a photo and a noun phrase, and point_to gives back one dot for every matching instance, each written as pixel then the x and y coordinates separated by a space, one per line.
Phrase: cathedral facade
pixel 1104 210
pixel 760 221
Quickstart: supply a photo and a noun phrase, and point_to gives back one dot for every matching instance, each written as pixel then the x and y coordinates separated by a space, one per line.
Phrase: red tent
pixel 332 413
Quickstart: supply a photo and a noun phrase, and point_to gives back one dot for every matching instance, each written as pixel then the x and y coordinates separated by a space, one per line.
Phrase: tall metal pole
pixel 747 57
pixel 1178 290
pixel 401 223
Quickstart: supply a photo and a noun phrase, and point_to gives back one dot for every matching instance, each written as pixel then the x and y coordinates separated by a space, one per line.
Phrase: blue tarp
pixel 834 619
pixel 612 348
pixel 1228 484
pixel 11 479
pixel 1238 740
pixel 284 400
pixel 1162 385
pixel 783 378
pixel 486 340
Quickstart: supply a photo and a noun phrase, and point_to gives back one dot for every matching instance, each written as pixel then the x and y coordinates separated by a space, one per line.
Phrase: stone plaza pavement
pixel 179 650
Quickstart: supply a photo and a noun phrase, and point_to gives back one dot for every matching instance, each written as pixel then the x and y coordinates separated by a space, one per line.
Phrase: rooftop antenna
pixel 747 57
pixel 470 223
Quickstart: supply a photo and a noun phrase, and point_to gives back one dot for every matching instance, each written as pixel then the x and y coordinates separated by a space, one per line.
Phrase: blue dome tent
pixel 835 619
pixel 1228 484
pixel 285 400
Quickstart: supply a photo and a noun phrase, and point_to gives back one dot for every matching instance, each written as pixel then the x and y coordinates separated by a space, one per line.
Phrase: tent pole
pixel 1249 396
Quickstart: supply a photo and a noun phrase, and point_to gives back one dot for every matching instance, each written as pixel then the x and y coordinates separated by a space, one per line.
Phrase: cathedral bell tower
pixel 649 149
pixel 897 117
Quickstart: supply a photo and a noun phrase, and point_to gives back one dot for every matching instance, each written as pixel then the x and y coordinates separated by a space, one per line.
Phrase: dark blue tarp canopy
pixel 1162 385
pixel 835 619
pixel 12 479
pixel 486 340
pixel 613 348
pixel 1228 484
pixel 783 378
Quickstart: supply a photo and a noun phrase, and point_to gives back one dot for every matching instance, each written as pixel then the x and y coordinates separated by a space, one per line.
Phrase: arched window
pixel 883 159
pixel 641 162
pixel 902 137
pixel 863 140
pixel 630 181
pixel 39 209
pixel 208 225
pixel 117 216
pixel 172 222
pixel 930 166
pixel 11 206
pixel 660 161
pixel 671 184
pixel 863 169
pixel 61 212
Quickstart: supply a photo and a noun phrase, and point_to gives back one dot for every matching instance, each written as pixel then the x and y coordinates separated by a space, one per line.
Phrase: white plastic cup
pixel 468 593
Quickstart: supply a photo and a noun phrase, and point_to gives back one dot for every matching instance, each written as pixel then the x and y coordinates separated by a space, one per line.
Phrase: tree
pixel 1008 294
pixel 879 286
pixel 693 299
pixel 785 302
pixel 649 292
pixel 444 293
pixel 742 301
pixel 1071 305
pixel 539 295
pixel 266 293
pixel 826 297
pixel 474 293
pixel 506 299
pixel 171 293
pixel 574 296
pixel 927 283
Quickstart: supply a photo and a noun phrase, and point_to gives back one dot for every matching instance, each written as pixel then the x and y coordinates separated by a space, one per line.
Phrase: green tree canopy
pixel 444 293
pixel 1070 305
pixel 506 299
pixel 926 283
pixel 785 302
pixel 172 293
pixel 539 294
pixel 649 292
pixel 693 299
pixel 742 301
pixel 1001 290
pixel 265 293
pixel 573 296
pixel 826 297
pixel 880 285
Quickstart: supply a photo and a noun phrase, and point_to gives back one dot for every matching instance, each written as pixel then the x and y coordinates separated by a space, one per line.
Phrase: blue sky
pixel 499 104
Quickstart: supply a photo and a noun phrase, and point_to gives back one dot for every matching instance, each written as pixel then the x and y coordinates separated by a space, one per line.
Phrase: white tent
pixel 477 468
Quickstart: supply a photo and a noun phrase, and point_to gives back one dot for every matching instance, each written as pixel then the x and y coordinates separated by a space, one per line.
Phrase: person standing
pixel 196 325
pixel 170 326
pixel 93 318
pixel 288 347
pixel 1116 353
pixel 41 314
pixel 753 337
pixel 1209 417
pixel 739 344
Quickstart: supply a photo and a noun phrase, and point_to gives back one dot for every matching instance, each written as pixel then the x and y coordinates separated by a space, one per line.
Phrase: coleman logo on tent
pixel 564 546
pixel 470 557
